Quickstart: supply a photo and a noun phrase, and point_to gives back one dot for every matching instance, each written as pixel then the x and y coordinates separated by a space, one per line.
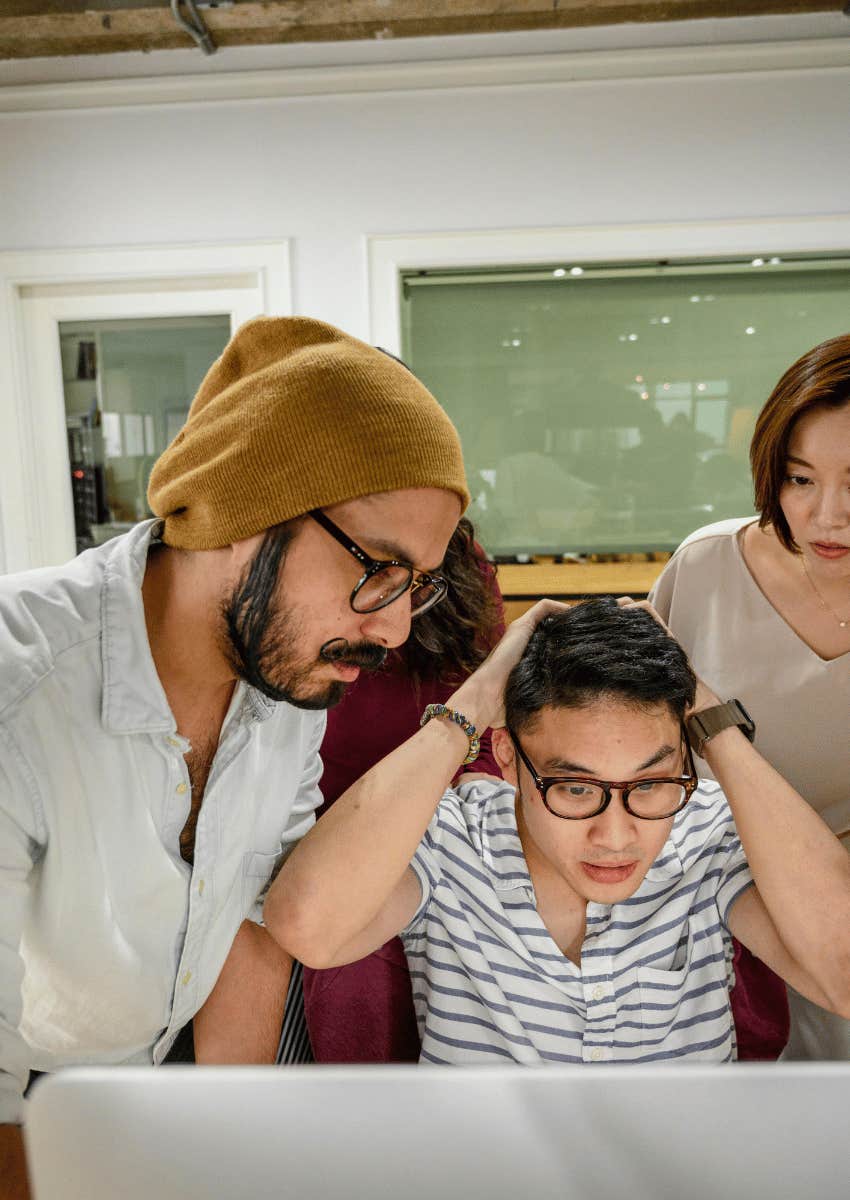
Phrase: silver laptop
pixel 744 1132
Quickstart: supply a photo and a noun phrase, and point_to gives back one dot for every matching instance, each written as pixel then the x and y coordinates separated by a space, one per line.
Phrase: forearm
pixel 800 868
pixel 340 875
pixel 241 1019
pixel 13 1167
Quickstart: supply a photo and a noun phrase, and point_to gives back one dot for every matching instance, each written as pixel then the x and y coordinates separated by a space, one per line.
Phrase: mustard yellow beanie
pixel 298 415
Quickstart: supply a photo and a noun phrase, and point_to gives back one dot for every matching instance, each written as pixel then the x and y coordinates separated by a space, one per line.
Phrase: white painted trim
pixel 242 279
pixel 271 259
pixel 388 255
pixel 566 68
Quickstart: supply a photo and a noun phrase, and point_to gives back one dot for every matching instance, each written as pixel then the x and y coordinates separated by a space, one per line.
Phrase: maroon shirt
pixel 363 1012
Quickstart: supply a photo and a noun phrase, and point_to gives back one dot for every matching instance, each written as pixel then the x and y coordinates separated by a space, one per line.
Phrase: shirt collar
pixel 501 848
pixel 258 706
pixel 668 865
pixel 134 700
pixel 133 697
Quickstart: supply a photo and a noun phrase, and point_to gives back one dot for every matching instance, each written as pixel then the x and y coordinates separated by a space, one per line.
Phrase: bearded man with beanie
pixel 161 702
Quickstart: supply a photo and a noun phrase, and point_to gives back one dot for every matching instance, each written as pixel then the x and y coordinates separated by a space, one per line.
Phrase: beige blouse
pixel 740 645
pixel 800 703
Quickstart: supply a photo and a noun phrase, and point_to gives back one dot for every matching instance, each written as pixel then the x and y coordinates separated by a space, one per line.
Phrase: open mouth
pixel 604 873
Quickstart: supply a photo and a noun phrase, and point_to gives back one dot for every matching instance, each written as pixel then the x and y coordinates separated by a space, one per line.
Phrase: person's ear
pixel 503 751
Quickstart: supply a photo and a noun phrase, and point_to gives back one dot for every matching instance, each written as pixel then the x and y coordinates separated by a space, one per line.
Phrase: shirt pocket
pixel 663 991
pixel 259 868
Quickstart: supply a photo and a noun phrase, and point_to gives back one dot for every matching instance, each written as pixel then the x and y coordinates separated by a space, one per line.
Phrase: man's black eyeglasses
pixel 384 581
pixel 576 798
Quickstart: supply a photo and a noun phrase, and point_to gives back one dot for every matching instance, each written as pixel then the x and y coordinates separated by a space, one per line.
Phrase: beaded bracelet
pixel 442 710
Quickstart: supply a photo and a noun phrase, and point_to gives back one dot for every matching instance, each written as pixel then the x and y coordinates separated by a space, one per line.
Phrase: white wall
pixel 694 140
pixel 326 170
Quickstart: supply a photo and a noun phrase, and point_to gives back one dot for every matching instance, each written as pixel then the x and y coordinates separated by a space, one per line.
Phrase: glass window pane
pixel 611 408
pixel 128 386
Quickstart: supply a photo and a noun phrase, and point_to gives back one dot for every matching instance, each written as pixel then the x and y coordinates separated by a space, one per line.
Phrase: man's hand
pixel 481 697
pixel 14 1184
pixel 705 697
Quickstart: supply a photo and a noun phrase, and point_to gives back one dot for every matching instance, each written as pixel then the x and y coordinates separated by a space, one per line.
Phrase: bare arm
pixel 798 918
pixel 395 913
pixel 13 1167
pixel 240 1021
pixel 338 881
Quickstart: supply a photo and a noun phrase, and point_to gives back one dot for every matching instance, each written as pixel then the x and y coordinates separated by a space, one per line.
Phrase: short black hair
pixel 597 650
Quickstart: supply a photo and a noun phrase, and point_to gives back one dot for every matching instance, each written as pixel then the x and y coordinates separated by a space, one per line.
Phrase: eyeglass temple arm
pixel 337 534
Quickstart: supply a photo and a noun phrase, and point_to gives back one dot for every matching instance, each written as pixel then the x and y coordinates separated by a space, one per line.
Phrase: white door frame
pixel 37 291
pixel 389 255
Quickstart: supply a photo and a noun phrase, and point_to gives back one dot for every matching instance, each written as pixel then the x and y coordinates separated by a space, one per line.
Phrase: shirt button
pixel 188 977
pixel 172 741
pixel 598 992
pixel 182 788
pixel 596 1053
pixel 200 887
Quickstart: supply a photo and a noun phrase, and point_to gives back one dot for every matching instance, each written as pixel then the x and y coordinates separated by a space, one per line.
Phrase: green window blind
pixel 610 408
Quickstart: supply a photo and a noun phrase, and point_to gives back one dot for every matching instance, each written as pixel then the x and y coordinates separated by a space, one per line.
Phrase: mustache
pixel 367 655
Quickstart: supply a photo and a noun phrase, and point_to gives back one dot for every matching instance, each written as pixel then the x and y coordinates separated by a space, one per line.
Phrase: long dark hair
pixel 455 636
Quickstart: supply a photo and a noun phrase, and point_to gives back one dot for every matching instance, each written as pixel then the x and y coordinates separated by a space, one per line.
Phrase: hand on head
pixel 705 697
pixel 481 697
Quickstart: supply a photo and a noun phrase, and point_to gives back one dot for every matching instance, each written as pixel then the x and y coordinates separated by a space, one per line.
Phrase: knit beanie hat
pixel 298 415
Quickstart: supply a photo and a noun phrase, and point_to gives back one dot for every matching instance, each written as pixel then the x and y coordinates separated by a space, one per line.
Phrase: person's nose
pixel 615 827
pixel 833 507
pixel 388 626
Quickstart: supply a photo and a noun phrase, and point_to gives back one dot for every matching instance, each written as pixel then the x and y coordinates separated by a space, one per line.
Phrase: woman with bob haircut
pixel 762 607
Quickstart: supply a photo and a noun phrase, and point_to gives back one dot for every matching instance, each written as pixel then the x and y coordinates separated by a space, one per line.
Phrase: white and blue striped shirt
pixel 490 984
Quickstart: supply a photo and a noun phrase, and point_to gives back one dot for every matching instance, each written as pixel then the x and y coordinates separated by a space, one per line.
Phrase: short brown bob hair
pixel 820 379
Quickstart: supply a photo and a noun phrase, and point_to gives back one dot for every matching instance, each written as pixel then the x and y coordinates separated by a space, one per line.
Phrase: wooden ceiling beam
pixel 47 29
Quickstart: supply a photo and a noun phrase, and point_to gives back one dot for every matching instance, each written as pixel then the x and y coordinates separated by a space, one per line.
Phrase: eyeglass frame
pixel 689 782
pixel 373 566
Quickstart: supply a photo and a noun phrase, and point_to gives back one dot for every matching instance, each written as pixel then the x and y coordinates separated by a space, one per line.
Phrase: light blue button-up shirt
pixel 109 941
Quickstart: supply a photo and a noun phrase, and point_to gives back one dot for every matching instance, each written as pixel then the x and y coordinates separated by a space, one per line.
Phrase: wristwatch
pixel 703 725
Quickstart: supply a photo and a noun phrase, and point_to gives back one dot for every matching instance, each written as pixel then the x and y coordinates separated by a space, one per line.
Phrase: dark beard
pixel 260 638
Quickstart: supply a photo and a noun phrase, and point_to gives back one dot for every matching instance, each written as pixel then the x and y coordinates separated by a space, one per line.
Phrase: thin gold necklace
pixel 842 622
